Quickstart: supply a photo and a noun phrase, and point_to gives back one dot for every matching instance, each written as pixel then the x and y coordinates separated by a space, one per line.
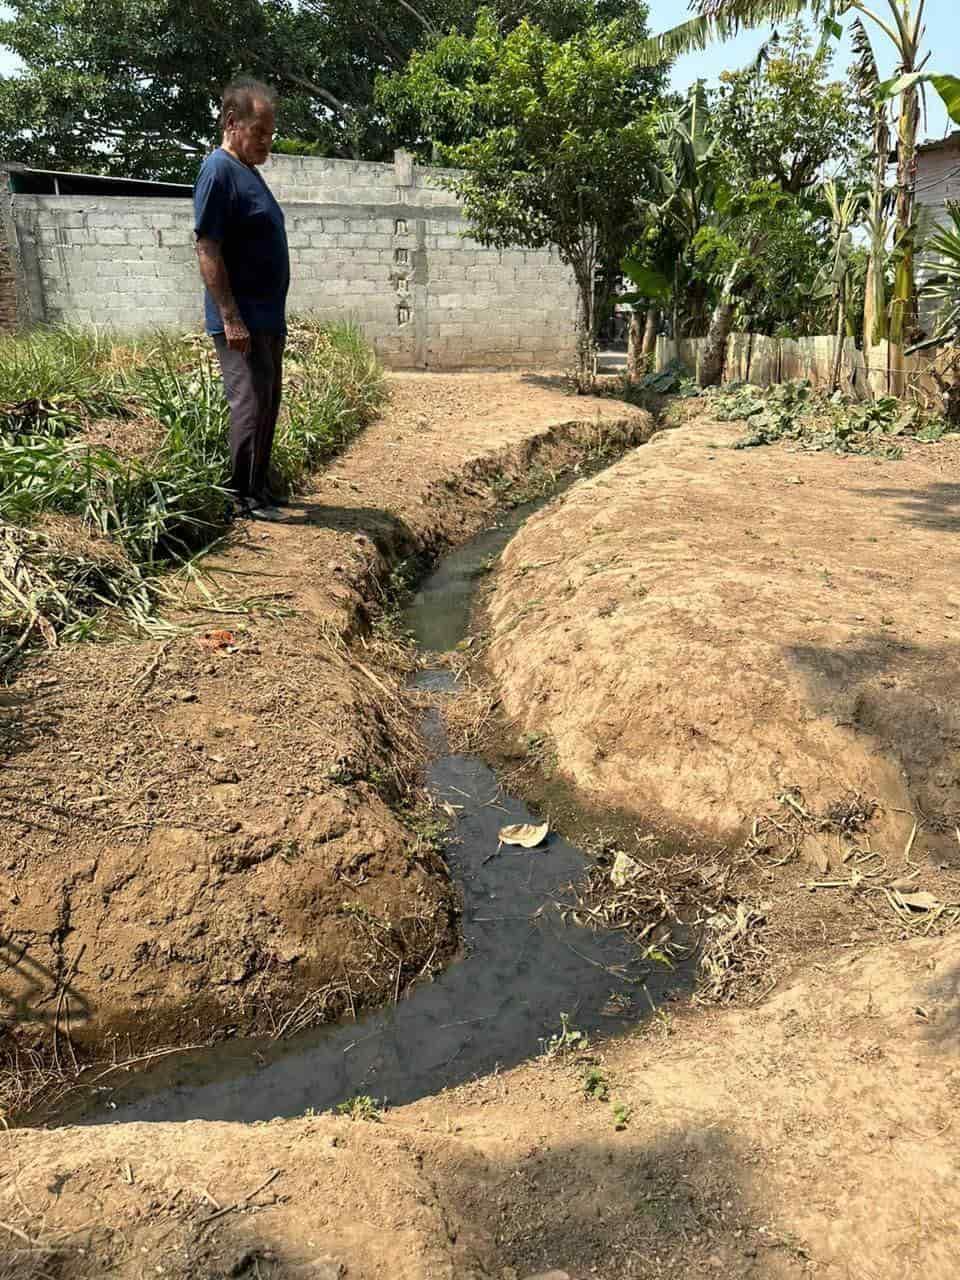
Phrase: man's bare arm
pixel 214 272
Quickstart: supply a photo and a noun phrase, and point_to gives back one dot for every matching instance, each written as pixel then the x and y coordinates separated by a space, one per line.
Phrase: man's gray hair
pixel 242 95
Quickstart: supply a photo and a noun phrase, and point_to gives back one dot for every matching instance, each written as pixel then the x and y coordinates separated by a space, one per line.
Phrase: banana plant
pixel 674 213
pixel 834 281
pixel 900 22
pixel 866 77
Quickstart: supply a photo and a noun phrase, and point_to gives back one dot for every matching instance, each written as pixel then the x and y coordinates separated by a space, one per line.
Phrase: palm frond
pixel 696 118
pixel 754 13
pixel 719 20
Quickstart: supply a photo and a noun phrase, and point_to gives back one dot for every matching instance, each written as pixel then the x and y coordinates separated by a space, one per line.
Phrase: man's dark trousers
pixel 253 383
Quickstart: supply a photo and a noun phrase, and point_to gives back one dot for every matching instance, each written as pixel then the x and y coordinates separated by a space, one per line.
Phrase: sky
pixel 943 37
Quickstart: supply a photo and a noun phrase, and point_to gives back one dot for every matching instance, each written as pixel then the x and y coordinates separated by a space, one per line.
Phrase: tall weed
pixel 163 508
pixel 52 381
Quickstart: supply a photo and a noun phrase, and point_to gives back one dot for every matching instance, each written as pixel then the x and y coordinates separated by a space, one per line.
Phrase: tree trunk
pixel 635 369
pixel 903 307
pixel 841 340
pixel 650 332
pixel 586 339
pixel 875 320
pixel 710 372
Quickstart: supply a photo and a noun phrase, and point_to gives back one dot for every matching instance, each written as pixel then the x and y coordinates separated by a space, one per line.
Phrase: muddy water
pixel 521 967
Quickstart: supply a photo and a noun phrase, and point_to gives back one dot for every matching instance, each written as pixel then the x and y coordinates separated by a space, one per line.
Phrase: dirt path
pixel 202 836
pixel 811 1136
pixel 719 625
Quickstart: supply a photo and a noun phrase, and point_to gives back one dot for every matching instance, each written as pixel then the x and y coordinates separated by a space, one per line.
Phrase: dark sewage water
pixel 520 967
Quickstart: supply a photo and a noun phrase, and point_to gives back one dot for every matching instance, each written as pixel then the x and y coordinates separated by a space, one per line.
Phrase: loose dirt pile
pixel 218 831
pixel 698 631
pixel 812 1136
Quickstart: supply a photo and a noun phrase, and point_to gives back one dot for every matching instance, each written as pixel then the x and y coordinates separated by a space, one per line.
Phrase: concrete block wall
pixel 381 245
pixel 117 262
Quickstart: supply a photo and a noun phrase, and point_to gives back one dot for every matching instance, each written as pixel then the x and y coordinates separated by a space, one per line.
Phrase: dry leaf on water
pixel 525 834
pixel 624 870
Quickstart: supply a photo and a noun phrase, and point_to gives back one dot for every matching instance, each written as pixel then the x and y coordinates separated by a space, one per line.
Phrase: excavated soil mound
pixel 811 1136
pixel 700 628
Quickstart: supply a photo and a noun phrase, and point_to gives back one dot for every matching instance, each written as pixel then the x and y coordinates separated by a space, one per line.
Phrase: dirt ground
pixel 807 1132
pixel 699 629
pixel 218 832
pixel 811 1136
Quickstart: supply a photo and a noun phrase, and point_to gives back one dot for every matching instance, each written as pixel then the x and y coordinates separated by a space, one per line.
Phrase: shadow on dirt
pixel 904 697
pixel 373 521
pixel 24 721
pixel 935 506
pixel 42 993
pixel 604 1210
pixel 552 382
pixel 943 1029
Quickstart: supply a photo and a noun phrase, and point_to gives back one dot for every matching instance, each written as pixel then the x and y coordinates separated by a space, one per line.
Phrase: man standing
pixel 245 265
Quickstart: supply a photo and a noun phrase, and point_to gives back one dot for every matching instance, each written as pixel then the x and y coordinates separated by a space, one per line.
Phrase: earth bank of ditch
pixel 753 653
pixel 221 833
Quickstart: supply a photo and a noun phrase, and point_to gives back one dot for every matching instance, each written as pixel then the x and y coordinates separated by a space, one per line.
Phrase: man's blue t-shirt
pixel 234 206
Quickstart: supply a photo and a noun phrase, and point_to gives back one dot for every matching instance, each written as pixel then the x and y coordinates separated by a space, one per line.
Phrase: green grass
pixel 54 380
pixel 160 508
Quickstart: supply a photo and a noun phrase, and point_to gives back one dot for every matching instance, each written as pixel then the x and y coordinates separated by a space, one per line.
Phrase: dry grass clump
pixel 673 909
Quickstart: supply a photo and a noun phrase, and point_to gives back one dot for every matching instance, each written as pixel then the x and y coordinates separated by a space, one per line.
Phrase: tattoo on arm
pixel 214 272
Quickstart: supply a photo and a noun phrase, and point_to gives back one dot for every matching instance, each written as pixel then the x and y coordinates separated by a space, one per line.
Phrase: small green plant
pixel 565 1041
pixel 361 1107
pixel 290 851
pixel 674 380
pixel 622 1113
pixel 658 955
pixel 791 412
pixel 595 1085
pixel 431 827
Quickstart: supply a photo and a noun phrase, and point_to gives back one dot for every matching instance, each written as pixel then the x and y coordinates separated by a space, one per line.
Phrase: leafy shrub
pixel 53 380
pixel 791 411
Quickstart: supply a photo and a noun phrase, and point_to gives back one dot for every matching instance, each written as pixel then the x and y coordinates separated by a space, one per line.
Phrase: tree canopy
pixel 131 86
pixel 556 138
pixel 787 122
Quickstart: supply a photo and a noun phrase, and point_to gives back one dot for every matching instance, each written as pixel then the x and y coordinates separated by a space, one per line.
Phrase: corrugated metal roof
pixel 27 181
pixel 941 144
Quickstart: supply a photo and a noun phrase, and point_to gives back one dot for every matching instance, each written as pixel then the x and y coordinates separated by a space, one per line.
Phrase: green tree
pixel 131 86
pixel 836 277
pixel 786 121
pixel 682 200
pixel 556 139
pixel 898 21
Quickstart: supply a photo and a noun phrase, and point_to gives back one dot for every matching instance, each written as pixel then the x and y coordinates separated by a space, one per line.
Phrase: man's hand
pixel 237 335
pixel 214 273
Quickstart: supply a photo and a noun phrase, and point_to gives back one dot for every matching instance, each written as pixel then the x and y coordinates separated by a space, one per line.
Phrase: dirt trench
pixel 812 1136
pixel 208 836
